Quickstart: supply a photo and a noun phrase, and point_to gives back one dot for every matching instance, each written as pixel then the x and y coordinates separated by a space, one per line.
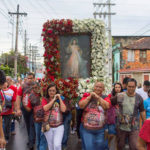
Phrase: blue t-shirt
pixel 147 107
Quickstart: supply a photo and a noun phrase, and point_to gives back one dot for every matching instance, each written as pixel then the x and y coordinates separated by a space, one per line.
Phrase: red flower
pixel 44 29
pixel 50 31
pixel 87 81
pixel 50 56
pixel 86 94
pixel 52 78
pixel 44 39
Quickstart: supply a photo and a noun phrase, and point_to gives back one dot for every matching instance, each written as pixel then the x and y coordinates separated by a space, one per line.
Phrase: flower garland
pixel 51 31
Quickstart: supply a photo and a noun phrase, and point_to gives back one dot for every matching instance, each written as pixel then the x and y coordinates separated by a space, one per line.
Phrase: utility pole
pixel 16 41
pixel 107 13
pixel 34 55
pixel 30 57
pixel 25 43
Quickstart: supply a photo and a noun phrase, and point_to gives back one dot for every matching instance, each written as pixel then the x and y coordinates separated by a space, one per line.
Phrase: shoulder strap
pixel 4 95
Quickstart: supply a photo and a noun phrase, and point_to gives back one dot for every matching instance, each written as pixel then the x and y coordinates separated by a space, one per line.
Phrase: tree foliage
pixel 8 62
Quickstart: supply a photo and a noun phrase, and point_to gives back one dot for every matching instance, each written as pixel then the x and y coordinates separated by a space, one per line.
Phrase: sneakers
pixel 13 133
pixel 72 132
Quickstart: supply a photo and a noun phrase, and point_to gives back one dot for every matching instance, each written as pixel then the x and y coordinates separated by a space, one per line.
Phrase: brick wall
pixel 148 55
pixel 136 64
pixel 137 55
pixel 125 55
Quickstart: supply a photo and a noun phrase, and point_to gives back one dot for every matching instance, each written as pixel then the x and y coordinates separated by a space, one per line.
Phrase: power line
pixel 103 15
pixel 11 4
pixel 6 17
pixel 141 28
pixel 5 5
pixel 33 5
pixel 16 42
pixel 51 7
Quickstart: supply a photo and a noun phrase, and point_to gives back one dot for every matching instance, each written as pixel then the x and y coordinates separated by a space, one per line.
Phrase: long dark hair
pixel 113 91
pixel 51 85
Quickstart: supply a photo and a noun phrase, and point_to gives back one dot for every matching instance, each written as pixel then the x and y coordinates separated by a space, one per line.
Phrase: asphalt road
pixel 19 141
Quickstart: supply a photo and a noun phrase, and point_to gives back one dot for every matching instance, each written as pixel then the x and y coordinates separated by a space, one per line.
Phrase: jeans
pixel 41 143
pixel 7 125
pixel 67 120
pixel 54 137
pixel 112 129
pixel 28 118
pixel 92 139
pixel 78 119
pixel 13 125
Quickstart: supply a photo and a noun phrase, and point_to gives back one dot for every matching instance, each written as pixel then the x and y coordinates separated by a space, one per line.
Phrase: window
pixel 142 56
pixel 130 55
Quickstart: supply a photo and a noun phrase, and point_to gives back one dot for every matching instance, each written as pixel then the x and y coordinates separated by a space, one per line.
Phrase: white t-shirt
pixel 142 93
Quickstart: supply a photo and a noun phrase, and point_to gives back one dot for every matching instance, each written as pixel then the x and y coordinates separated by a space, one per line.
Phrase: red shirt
pixel 145 133
pixel 29 105
pixel 44 101
pixel 1 95
pixel 10 96
pixel 85 95
pixel 14 89
pixel 19 91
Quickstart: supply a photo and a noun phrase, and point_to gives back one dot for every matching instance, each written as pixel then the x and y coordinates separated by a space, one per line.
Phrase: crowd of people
pixel 102 122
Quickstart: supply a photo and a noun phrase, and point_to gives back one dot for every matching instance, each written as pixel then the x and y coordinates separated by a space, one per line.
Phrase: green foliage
pixel 9 61
pixel 113 42
pixel 8 71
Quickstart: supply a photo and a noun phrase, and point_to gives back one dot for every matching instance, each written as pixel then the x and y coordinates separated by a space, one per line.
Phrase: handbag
pixel 45 125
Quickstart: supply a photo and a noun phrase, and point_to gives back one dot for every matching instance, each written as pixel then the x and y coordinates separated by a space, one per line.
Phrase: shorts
pixel 111 129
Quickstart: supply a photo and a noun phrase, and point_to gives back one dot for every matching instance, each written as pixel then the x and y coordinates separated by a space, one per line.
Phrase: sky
pixel 132 18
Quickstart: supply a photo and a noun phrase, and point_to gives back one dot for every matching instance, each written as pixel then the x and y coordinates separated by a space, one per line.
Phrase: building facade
pixel 135 60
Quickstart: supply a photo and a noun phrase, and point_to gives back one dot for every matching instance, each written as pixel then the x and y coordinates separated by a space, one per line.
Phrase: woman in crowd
pixel 7 111
pixel 144 136
pixel 111 117
pixel 2 138
pixel 55 105
pixel 34 104
pixel 92 128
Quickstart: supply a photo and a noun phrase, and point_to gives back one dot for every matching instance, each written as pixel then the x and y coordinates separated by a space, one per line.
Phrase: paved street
pixel 18 141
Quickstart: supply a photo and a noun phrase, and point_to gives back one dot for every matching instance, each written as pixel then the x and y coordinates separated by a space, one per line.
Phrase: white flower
pixel 99 52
